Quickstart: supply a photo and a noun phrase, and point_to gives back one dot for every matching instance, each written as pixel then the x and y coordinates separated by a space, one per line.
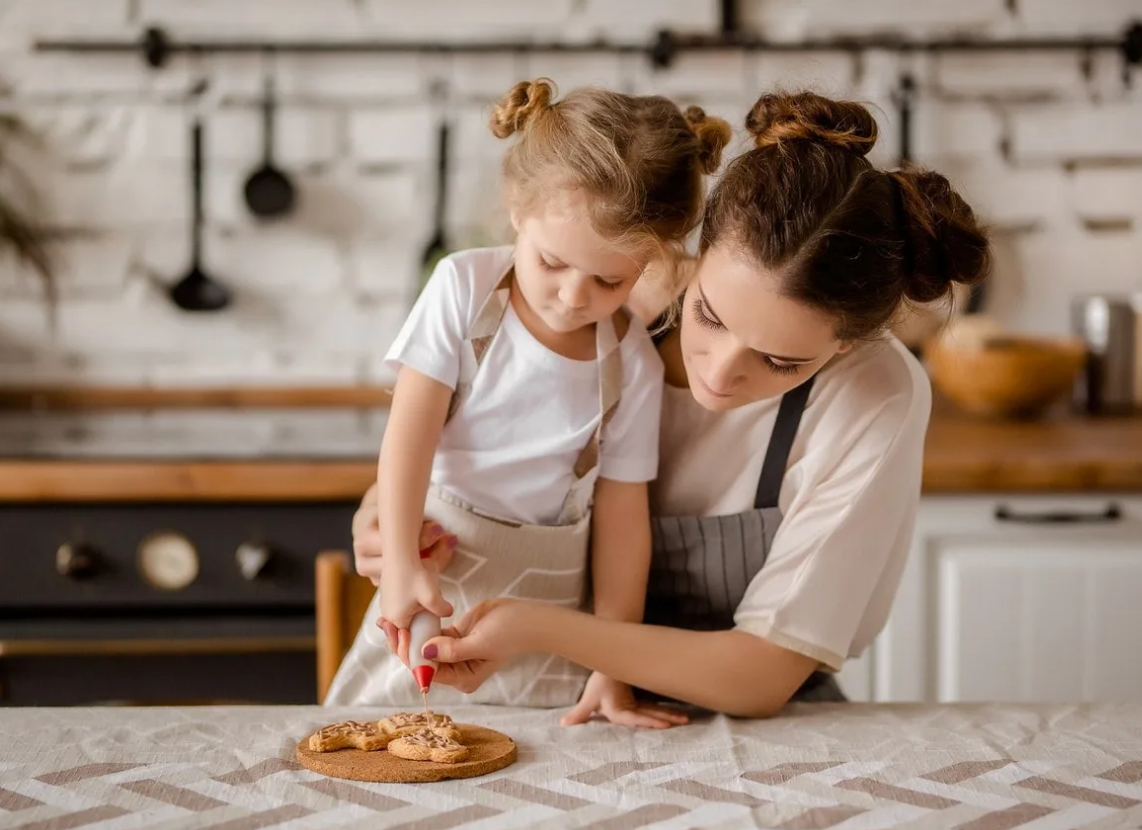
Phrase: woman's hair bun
pixel 520 105
pixel 946 243
pixel 713 135
pixel 806 116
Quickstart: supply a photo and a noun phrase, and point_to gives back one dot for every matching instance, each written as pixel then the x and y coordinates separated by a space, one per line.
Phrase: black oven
pixel 161 603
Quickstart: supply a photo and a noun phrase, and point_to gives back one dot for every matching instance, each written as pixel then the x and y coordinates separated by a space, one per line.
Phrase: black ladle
pixel 436 248
pixel 197 291
pixel 269 192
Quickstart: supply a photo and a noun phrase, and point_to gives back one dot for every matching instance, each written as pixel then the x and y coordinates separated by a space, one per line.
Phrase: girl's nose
pixel 574 292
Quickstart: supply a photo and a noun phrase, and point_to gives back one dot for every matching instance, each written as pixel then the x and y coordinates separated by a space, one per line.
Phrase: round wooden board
pixel 488 751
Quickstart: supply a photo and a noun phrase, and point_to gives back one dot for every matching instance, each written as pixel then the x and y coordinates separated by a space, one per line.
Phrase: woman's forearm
pixel 727 671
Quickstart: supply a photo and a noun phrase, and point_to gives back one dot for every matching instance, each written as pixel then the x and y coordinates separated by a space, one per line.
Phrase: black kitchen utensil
pixel 197 291
pixel 437 247
pixel 269 192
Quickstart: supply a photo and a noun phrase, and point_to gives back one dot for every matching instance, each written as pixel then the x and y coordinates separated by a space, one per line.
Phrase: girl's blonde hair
pixel 640 158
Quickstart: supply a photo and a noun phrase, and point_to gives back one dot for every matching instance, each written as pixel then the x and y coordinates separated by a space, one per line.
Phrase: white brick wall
pixel 1050 157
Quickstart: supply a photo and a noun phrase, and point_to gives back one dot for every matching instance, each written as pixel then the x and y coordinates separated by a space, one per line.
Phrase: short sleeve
pixel 837 556
pixel 432 336
pixel 630 441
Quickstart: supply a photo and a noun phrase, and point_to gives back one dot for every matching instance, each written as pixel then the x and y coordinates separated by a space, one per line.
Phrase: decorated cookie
pixel 429 745
pixel 367 736
pixel 406 723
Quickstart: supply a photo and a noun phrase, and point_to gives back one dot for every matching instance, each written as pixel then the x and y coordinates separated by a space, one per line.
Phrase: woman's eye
pixel 608 286
pixel 703 319
pixel 780 368
pixel 549 266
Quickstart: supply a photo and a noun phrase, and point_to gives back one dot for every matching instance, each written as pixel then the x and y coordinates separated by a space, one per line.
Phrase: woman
pixel 792 433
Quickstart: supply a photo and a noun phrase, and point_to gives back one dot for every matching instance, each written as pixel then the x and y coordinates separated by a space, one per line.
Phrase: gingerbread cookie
pixel 407 723
pixel 349 734
pixel 429 745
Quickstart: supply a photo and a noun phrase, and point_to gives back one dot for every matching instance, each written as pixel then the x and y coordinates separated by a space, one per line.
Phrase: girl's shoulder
pixel 476 269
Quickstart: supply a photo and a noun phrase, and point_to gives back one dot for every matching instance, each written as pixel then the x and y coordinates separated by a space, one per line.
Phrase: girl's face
pixel 569 275
pixel 742 341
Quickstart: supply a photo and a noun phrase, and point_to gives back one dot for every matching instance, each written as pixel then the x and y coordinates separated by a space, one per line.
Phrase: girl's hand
pixel 409 587
pixel 483 640
pixel 616 702
pixel 367 540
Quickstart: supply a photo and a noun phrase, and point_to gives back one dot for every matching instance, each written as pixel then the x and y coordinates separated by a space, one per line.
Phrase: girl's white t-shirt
pixel 848 499
pixel 511 447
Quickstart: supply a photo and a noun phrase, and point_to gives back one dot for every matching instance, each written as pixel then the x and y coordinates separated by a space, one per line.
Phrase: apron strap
pixel 780 443
pixel 609 358
pixel 480 337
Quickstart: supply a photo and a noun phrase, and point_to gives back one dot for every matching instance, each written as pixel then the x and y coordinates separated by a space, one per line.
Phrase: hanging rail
pixel 156 46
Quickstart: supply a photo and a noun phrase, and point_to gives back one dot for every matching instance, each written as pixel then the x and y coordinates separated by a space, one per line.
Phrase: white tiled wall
pixel 1052 157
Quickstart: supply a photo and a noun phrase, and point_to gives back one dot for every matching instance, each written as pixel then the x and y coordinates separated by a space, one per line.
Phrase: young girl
pixel 526 395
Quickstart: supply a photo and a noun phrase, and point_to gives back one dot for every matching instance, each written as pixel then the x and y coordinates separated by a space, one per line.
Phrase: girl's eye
pixel 780 368
pixel 608 286
pixel 703 319
pixel 548 266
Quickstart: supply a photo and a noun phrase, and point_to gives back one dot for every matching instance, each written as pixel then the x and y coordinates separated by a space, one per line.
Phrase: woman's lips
pixel 712 391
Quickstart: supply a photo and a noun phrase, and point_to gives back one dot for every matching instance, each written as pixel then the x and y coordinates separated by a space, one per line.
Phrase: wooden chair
pixel 342 598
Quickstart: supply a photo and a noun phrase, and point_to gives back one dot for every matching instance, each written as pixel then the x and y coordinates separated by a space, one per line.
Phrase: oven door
pixel 151 661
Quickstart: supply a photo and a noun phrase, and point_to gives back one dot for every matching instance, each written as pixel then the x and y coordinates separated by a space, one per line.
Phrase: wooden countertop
pixel 962 455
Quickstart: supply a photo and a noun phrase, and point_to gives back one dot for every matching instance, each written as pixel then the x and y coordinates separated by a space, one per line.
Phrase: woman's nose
pixel 724 369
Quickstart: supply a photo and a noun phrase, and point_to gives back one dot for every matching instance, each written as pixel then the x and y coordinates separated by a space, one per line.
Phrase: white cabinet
pixel 1017 599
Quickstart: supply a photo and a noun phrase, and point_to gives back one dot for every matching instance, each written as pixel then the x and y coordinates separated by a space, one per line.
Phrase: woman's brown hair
pixel 641 158
pixel 843 237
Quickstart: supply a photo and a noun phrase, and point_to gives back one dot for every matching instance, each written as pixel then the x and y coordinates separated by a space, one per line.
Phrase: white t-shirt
pixel 848 499
pixel 511 447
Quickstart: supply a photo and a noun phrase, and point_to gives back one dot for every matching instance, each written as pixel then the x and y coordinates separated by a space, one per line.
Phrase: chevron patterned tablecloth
pixel 978 767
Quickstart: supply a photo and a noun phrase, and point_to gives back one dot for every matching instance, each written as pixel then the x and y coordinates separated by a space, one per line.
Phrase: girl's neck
pixel 670 350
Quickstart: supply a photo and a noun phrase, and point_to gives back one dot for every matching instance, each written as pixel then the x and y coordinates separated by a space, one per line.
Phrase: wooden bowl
pixel 1005 376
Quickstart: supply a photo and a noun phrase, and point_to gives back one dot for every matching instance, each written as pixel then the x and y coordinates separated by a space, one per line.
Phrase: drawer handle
pixel 1112 513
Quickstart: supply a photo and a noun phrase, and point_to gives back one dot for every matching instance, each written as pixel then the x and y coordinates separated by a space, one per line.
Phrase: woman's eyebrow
pixel 714 315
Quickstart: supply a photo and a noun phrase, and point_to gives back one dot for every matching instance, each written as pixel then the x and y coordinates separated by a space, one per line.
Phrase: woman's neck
pixel 670 350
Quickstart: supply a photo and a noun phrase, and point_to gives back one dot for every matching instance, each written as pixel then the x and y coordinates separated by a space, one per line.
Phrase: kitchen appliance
pixel 169 602
pixel 1109 326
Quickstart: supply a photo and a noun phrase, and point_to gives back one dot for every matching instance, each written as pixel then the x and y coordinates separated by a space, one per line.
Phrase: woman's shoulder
pixel 879 383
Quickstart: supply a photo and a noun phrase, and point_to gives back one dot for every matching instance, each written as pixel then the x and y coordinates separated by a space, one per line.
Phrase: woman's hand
pixel 367 540
pixel 474 649
pixel 616 702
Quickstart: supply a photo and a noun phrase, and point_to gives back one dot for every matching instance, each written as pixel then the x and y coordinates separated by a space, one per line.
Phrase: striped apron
pixel 702 565
pixel 498 557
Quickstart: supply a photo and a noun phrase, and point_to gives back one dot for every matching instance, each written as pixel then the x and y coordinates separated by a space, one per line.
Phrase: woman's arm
pixel 416 419
pixel 726 671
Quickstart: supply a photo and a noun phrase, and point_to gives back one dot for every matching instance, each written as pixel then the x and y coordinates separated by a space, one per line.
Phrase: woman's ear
pixel 516 218
pixel 846 345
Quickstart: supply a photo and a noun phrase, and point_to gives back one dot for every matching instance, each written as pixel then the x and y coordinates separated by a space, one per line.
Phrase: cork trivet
pixel 488 751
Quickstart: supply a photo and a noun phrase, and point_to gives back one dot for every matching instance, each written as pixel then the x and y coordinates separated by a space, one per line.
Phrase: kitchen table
pixel 981 767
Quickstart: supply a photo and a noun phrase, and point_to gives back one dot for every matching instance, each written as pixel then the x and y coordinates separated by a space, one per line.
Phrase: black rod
pixel 701 43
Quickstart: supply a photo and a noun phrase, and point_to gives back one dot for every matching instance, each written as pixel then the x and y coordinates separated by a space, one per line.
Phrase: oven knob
pixel 252 559
pixel 76 560
pixel 168 561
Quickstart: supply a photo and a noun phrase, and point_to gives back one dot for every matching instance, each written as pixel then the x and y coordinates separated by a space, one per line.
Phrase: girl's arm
pixel 416 419
pixel 620 549
pixel 726 671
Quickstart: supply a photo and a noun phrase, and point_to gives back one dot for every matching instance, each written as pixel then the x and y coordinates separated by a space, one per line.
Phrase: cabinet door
pixel 1018 599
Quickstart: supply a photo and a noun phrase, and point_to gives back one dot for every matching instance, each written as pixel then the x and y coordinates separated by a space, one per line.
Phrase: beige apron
pixel 497 558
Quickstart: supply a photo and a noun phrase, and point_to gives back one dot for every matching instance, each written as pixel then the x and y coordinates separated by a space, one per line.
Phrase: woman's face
pixel 741 340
